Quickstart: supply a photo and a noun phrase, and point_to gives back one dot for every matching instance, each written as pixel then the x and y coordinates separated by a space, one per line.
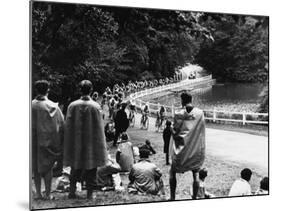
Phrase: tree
pixel 108 45
pixel 240 48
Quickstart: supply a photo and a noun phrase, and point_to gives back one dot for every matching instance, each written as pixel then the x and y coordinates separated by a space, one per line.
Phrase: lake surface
pixel 229 96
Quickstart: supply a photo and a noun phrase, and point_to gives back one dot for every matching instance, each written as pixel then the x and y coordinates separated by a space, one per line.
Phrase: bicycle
pixel 144 121
pixel 159 124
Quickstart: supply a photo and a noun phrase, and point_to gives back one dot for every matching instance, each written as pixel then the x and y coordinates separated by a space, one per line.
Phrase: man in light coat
pixel 47 135
pixel 84 140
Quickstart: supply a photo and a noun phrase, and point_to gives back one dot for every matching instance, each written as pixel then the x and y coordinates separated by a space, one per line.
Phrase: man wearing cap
pixel 84 141
pixel 47 134
pixel 121 122
pixel 145 177
pixel 187 147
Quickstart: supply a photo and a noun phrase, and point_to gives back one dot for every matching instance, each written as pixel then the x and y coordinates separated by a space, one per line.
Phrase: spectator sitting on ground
pixel 202 193
pixel 264 187
pixel 241 186
pixel 145 177
pixel 148 146
pixel 108 177
pixel 125 154
pixel 109 131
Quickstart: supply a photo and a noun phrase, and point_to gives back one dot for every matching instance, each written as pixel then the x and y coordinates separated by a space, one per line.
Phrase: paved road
pixel 233 146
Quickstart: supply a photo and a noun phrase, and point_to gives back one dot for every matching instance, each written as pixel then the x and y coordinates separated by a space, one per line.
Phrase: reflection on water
pixel 230 96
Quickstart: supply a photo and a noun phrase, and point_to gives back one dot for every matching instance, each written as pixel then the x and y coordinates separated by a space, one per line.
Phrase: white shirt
pixel 240 188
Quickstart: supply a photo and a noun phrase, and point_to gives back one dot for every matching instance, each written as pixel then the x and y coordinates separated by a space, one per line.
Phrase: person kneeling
pixel 145 177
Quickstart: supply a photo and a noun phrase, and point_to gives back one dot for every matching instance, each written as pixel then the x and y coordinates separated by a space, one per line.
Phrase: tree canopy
pixel 108 45
pixel 239 51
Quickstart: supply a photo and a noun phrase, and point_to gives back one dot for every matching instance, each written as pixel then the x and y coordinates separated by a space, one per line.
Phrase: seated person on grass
pixel 125 154
pixel 109 131
pixel 264 187
pixel 202 193
pixel 108 177
pixel 145 177
pixel 241 186
pixel 148 146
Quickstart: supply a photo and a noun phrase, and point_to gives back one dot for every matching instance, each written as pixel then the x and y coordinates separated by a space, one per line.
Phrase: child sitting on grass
pixel 202 193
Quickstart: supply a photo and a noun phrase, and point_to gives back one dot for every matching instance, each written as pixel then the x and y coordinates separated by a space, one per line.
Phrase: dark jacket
pixel 167 133
pixel 148 147
pixel 121 121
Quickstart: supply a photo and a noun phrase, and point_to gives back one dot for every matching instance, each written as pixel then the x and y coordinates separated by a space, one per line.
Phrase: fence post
pixel 173 111
pixel 244 118
pixel 214 115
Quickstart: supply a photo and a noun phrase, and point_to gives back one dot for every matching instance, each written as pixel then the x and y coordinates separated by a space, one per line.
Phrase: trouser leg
pixel 173 184
pixel 117 133
pixel 195 185
pixel 167 158
pixel 91 181
pixel 37 181
pixel 75 176
pixel 48 182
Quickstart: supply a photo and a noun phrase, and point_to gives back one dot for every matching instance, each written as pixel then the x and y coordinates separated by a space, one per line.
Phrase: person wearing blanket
pixel 187 144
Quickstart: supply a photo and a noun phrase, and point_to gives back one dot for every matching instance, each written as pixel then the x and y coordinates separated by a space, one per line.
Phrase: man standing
pixel 84 142
pixel 47 134
pixel 167 133
pixel 187 146
pixel 121 122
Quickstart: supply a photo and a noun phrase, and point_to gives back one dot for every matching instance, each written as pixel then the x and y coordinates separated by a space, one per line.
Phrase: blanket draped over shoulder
pixel 47 133
pixel 84 140
pixel 187 146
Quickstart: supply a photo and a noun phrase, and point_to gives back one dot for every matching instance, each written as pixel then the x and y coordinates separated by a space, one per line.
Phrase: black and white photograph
pixel 130 105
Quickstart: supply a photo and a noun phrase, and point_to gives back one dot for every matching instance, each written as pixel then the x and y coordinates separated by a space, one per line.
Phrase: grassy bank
pixel 222 173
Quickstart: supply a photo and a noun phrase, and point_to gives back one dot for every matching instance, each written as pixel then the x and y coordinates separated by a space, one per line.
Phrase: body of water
pixel 229 96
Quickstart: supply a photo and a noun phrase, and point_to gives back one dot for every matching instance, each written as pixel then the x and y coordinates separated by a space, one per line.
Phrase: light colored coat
pixel 84 140
pixel 47 131
pixel 188 151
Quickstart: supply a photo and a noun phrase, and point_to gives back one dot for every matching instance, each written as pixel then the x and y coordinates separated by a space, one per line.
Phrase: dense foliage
pixel 109 45
pixel 239 51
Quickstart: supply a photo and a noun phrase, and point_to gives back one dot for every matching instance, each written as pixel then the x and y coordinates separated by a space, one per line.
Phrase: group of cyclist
pixel 115 96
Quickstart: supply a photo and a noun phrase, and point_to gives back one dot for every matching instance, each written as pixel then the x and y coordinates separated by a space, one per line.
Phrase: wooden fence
pixel 212 115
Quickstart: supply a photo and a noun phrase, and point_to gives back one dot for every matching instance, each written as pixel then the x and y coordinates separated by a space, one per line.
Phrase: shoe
pixel 72 196
pixel 50 197
pixel 90 194
pixel 38 197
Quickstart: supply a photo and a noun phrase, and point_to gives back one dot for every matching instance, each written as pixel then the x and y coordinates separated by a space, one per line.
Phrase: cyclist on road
pixel 144 118
pixel 160 118
pixel 132 111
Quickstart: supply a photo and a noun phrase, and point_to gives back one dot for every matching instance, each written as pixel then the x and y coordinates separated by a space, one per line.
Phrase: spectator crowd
pixel 75 148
